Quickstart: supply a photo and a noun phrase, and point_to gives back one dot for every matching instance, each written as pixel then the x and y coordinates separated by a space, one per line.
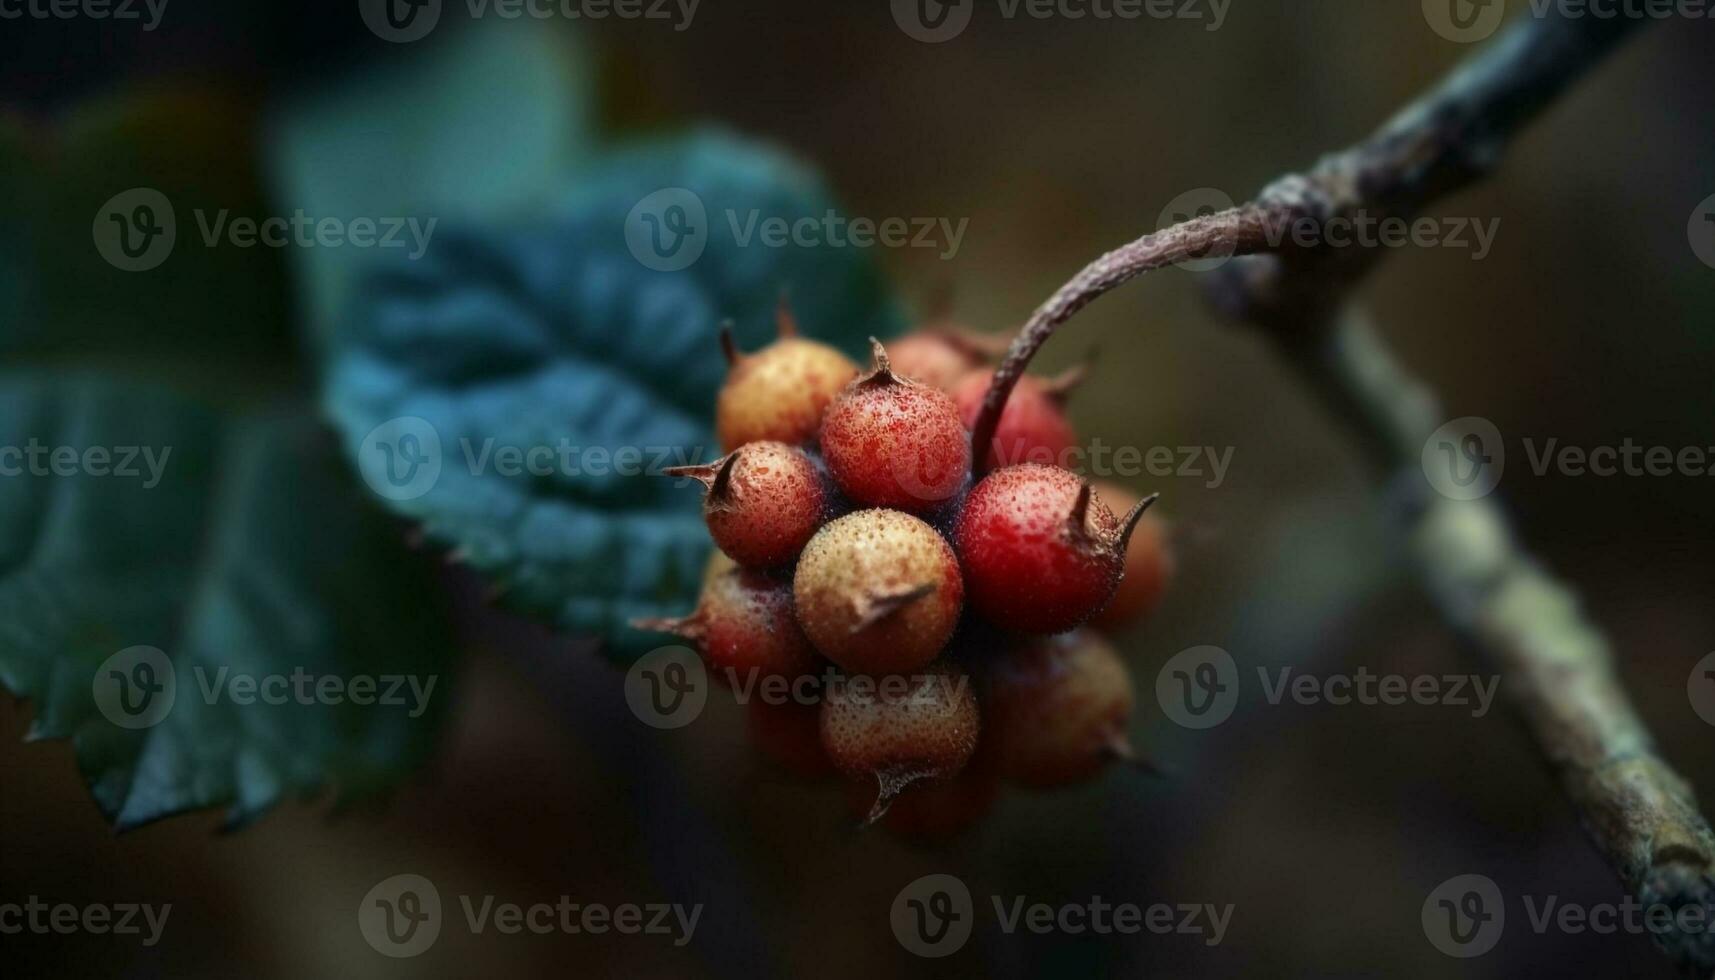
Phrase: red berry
pixel 764 501
pixel 898 730
pixel 789 734
pixel 744 624
pixel 1040 554
pixel 1033 427
pixel 1058 708
pixel 1149 563
pixel 941 357
pixel 780 392
pixel 893 442
pixel 878 591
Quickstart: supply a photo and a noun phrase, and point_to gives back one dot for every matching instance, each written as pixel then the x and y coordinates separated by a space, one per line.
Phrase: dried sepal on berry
pixel 762 503
pixel 745 627
pixel 893 442
pixel 898 730
pixel 780 392
pixel 1040 554
pixel 1149 562
pixel 943 356
pixel 878 591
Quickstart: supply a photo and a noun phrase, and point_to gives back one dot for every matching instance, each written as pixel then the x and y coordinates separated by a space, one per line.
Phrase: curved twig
pixel 1641 814
pixel 1237 231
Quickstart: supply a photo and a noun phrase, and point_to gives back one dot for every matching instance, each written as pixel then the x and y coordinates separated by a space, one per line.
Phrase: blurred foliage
pixel 552 334
pixel 256 552
pixel 490 123
pixel 248 556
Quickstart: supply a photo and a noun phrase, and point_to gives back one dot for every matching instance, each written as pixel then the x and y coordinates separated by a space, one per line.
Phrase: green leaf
pixel 485 120
pixel 555 334
pixel 238 550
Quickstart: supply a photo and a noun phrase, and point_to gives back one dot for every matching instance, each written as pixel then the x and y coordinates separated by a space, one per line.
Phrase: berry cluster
pixel 953 606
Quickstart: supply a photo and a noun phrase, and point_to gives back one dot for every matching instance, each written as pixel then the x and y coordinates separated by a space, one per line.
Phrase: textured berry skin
pixel 780 392
pixel 764 502
pixel 1033 427
pixel 1029 566
pixel 924 727
pixel 878 592
pixel 744 624
pixel 1058 708
pixel 1149 563
pixel 893 442
pixel 789 735
pixel 935 358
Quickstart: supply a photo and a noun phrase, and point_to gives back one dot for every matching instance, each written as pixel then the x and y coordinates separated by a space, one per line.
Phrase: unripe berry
pixel 764 501
pixel 789 734
pixel 893 442
pixel 780 392
pixel 1149 563
pixel 898 730
pixel 1040 554
pixel 941 357
pixel 878 591
pixel 1058 708
pixel 744 625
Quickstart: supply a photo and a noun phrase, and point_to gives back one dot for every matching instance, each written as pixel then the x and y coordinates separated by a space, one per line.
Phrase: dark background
pixel 1591 321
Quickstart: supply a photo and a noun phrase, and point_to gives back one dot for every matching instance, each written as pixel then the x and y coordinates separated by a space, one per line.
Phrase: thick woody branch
pixel 1556 664
pixel 1445 140
pixel 1450 138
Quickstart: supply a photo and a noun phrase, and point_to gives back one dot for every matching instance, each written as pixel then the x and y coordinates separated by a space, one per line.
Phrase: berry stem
pixel 1238 231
